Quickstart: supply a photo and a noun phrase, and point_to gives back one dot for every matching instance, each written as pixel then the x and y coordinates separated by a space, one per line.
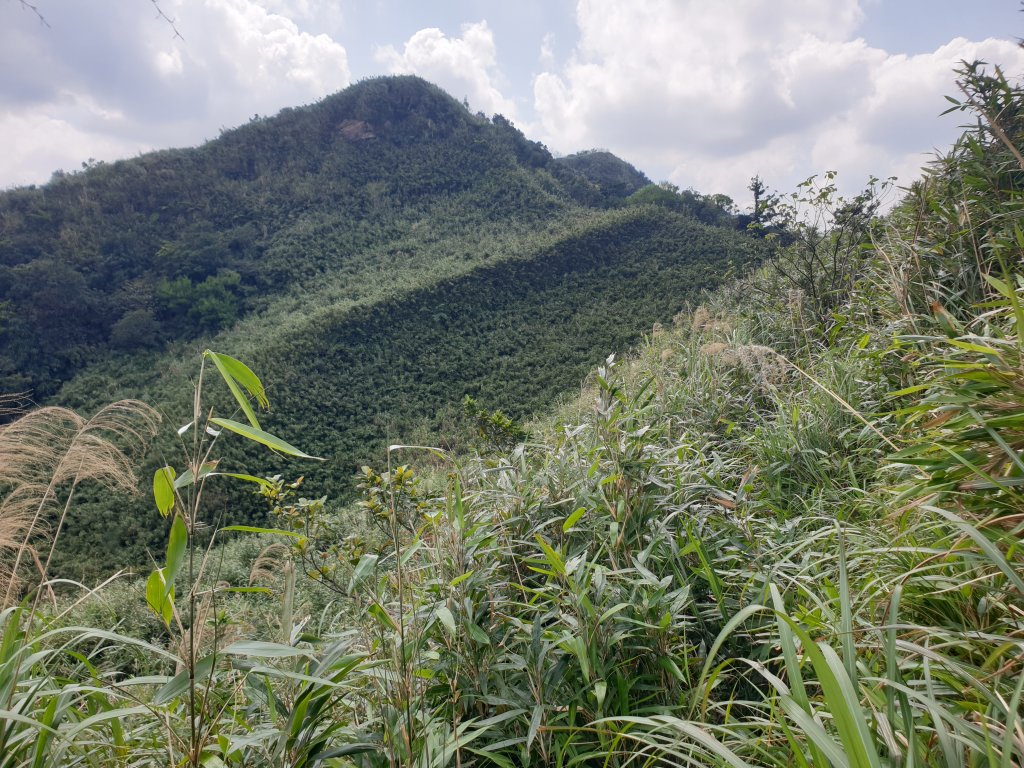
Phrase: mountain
pixel 612 175
pixel 376 256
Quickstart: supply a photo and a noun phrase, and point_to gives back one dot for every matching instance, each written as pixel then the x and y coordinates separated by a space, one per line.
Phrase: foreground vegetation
pixel 785 532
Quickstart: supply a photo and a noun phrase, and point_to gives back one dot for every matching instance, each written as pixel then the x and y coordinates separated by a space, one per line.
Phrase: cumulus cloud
pixel 703 94
pixel 46 141
pixel 465 66
pixel 710 94
pixel 109 82
pixel 262 56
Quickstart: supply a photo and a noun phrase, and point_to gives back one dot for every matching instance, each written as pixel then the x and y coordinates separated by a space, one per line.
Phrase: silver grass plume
pixel 44 455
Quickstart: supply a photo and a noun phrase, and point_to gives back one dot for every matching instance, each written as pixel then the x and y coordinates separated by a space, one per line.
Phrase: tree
pixel 137 329
pixel 768 211
pixel 821 241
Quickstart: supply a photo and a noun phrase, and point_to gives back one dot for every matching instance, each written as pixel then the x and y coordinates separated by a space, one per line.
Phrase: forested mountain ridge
pixel 179 243
pixel 382 253
pixel 607 171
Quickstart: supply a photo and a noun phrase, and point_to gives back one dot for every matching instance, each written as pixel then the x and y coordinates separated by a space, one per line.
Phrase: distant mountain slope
pixel 375 257
pixel 179 243
pixel 612 175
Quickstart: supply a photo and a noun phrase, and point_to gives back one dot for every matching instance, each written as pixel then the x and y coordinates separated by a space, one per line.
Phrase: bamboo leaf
pixel 187 477
pixel 535 721
pixel 264 650
pixel 176 545
pixel 477 634
pixel 160 596
pixel 258 529
pixel 234 373
pixel 572 519
pixel 163 490
pixel 363 568
pixel 178 684
pixel 262 482
pixel 264 438
pixel 551 555
pixel 447 619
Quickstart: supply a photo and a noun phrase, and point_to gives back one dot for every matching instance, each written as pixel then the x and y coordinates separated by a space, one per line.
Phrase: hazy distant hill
pixel 612 175
pixel 375 256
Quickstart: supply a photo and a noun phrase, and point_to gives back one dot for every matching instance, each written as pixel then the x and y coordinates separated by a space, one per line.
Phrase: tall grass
pixel 44 456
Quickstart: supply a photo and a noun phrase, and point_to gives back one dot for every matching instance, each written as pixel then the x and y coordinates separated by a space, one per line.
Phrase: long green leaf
pixel 798 691
pixel 262 482
pixel 842 701
pixel 178 684
pixel 551 555
pixel 695 732
pixel 446 618
pixel 160 595
pixel 990 549
pixel 264 438
pixel 727 630
pixel 265 650
pixel 366 565
pixel 258 529
pixel 177 543
pixel 846 610
pixel 818 738
pixel 234 373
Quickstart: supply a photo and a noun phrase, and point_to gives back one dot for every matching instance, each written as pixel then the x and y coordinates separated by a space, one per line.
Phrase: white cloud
pixel 262 52
pixel 464 66
pixel 711 94
pixel 704 94
pixel 169 62
pixel 46 143
pixel 234 58
pixel 547 50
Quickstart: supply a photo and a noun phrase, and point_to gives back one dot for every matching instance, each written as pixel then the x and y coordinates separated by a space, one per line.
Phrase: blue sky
pixel 704 94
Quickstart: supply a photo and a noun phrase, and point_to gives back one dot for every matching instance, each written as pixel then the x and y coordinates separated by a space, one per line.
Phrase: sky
pixel 702 93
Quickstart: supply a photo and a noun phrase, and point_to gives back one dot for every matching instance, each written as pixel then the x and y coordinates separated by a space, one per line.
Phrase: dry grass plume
pixel 44 455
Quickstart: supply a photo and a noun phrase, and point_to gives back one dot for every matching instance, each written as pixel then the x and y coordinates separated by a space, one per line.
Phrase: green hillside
pixel 177 244
pixel 383 253
pixel 613 176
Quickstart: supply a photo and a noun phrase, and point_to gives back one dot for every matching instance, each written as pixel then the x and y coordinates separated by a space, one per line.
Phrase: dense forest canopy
pixel 175 245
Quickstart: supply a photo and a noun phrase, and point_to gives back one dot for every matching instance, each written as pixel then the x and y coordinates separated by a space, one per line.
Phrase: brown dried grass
pixel 44 455
pixel 13 403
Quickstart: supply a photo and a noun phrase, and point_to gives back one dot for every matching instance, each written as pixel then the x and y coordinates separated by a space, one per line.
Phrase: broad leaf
pixel 163 490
